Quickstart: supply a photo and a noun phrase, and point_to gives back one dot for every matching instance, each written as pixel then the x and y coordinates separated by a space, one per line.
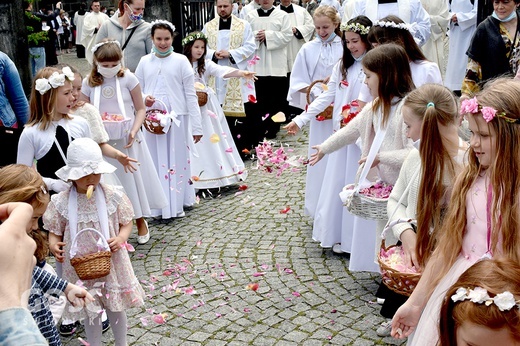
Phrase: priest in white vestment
pixel 272 30
pixel 231 43
pixel 463 24
pixel 410 11
pixel 436 48
pixel 91 25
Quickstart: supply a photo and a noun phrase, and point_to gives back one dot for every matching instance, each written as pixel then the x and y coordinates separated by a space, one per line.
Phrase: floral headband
pixel 102 44
pixel 488 113
pixel 54 81
pixel 384 24
pixel 504 301
pixel 165 22
pixel 193 37
pixel 355 27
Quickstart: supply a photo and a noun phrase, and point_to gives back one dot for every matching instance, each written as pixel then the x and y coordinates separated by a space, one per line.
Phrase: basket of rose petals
pixel 116 125
pixel 369 203
pixel 152 119
pixel 327 113
pixel 202 94
pixel 349 112
pixel 396 274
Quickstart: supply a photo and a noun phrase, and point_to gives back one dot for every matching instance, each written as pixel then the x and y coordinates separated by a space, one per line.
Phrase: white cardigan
pixel 395 146
pixel 407 209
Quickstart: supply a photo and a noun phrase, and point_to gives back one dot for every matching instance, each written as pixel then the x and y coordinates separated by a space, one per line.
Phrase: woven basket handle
pixel 75 240
pixel 162 104
pixel 308 94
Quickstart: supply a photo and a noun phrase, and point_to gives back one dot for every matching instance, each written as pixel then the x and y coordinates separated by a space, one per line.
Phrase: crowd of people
pixel 411 94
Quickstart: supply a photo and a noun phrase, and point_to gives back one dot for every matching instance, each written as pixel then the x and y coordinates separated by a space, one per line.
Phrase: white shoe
pixel 336 248
pixel 380 301
pixel 384 329
pixel 143 239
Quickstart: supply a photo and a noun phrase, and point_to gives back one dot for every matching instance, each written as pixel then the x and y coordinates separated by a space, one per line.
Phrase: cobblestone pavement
pixel 196 270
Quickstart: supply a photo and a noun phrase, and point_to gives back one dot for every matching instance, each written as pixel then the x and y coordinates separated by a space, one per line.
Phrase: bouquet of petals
pixel 271 159
pixel 112 117
pixel 380 190
pixel 349 111
pixel 393 257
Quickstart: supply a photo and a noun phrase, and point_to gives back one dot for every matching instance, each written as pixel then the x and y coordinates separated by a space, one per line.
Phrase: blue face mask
pixel 134 17
pixel 507 19
pixel 163 54
pixel 417 143
pixel 330 38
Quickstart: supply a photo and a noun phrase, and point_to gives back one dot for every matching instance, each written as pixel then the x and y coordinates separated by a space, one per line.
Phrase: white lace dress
pixel 120 289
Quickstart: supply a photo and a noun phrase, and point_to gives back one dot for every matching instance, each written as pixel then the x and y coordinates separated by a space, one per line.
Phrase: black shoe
pixel 68 329
pixel 105 325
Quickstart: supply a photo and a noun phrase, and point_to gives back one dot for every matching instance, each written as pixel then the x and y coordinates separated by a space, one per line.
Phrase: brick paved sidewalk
pixel 196 270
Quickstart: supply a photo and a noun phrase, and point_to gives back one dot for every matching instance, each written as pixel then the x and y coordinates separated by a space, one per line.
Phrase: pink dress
pixel 120 289
pixel 474 246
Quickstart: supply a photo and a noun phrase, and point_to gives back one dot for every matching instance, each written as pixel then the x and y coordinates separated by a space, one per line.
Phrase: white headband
pixel 505 301
pixel 103 43
pixel 161 21
pixel 384 24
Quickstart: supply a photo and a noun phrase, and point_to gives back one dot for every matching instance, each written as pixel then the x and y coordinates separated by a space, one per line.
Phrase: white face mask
pixel 108 72
pixel 417 143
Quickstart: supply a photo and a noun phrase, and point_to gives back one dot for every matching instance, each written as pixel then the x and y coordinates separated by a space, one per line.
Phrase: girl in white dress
pixel 389 79
pixel 115 90
pixel 333 224
pixel 168 77
pixel 218 162
pixel 315 61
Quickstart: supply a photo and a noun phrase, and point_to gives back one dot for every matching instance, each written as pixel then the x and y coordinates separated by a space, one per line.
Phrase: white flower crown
pixel 193 37
pixel 54 81
pixel 161 21
pixel 96 46
pixel 504 301
pixel 384 24
pixel 355 27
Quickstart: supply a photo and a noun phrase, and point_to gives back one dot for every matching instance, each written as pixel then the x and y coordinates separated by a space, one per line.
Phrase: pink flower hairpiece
pixel 488 113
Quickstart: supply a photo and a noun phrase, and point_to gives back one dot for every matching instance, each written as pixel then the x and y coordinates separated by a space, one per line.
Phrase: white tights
pixel 117 323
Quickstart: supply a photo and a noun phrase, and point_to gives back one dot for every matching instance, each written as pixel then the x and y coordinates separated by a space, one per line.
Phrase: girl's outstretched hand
pixel 409 240
pixel 249 75
pixel 317 156
pixel 405 320
pixel 292 128
pixel 126 161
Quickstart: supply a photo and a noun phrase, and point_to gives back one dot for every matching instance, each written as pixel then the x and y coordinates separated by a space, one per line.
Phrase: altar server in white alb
pixel 315 61
pixel 231 43
pixel 463 24
pixel 410 11
pixel 333 225
pixel 302 28
pixel 167 78
pixel 273 32
pixel 436 47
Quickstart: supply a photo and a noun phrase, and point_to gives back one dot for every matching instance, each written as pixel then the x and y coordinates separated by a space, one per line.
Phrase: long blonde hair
pixel 434 104
pixel 504 96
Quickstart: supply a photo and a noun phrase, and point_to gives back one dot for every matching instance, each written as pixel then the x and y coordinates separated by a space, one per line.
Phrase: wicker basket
pixel 95 265
pixel 370 208
pixel 399 282
pixel 202 97
pixel 151 123
pixel 327 113
pixel 117 129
